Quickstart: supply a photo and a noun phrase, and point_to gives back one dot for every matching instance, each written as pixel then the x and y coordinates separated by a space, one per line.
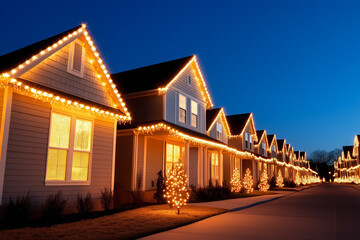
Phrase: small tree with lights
pixel 303 181
pixel 297 180
pixel 235 181
pixel 176 191
pixel 248 182
pixel 279 180
pixel 264 182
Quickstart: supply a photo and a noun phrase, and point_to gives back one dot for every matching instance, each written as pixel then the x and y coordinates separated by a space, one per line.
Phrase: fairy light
pixel 222 114
pixel 65 40
pixel 5 80
pixel 264 182
pixel 176 191
pixel 248 181
pixel 235 182
pixel 297 180
pixel 279 180
pixel 163 90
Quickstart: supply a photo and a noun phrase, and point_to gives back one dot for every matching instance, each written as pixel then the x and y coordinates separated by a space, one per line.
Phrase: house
pixel 273 152
pixel 243 135
pixel 170 104
pixel 59 111
pixel 261 147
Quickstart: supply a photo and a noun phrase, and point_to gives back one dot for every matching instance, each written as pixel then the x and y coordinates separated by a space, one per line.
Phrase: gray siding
pixel 193 168
pixel 154 161
pixel 27 153
pixel 212 132
pixel 123 162
pixel 191 92
pixel 146 108
pixel 52 72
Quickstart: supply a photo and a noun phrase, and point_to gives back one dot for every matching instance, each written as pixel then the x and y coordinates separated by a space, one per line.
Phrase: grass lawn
pixel 125 225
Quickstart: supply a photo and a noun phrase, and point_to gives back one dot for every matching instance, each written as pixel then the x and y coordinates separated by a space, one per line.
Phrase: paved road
pixel 326 212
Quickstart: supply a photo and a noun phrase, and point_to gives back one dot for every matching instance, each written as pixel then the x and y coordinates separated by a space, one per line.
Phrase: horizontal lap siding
pixel 154 161
pixel 146 108
pixel 213 130
pixel 52 72
pixel 27 153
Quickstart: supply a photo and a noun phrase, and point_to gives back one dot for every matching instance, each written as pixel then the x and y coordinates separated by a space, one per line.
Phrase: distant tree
pixel 323 162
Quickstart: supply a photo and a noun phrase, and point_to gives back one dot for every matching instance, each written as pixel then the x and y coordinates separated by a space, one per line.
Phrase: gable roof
pixel 259 134
pixel 16 63
pixel 281 144
pixel 157 77
pixel 303 154
pixel 212 115
pixel 13 59
pixel 238 122
pixel 297 154
pixel 348 150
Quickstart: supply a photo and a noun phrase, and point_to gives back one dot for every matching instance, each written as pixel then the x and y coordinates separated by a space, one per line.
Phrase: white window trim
pixel 68 170
pixel 71 58
pixel 197 113
pixel 218 133
pixel 185 109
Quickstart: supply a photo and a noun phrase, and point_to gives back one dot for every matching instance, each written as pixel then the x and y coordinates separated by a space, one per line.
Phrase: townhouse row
pixel 347 166
pixel 66 125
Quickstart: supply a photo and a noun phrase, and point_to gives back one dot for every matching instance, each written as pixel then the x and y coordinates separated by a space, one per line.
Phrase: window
pixel 214 165
pixel 263 148
pixel 76 59
pixel 218 131
pixel 250 140
pixel 173 154
pixel 246 140
pixel 189 80
pixel 194 114
pixel 182 108
pixel 69 148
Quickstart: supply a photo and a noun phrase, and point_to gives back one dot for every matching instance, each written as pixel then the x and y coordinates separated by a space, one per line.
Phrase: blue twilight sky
pixel 294 64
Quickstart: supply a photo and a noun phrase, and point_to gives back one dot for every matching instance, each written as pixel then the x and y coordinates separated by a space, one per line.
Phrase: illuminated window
pixel 194 114
pixel 173 155
pixel 76 58
pixel 69 148
pixel 218 131
pixel 214 165
pixel 182 108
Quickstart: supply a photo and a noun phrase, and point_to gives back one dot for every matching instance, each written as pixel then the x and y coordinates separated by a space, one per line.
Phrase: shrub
pixel 84 204
pixel 209 193
pixel 160 188
pixel 272 183
pixel 106 199
pixel 288 183
pixel 53 206
pixel 18 211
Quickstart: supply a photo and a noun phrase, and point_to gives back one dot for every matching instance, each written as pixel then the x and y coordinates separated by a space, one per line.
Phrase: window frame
pixel 196 115
pixel 218 133
pixel 71 59
pixel 182 109
pixel 216 167
pixel 182 152
pixel 69 158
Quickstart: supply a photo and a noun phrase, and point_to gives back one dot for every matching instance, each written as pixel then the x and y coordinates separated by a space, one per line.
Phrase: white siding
pixel 212 132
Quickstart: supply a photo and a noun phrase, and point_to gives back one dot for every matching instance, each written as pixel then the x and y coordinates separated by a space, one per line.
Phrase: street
pixel 326 211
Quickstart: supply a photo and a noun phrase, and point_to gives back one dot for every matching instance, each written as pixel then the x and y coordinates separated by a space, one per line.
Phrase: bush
pixel 84 204
pixel 160 188
pixel 106 199
pixel 209 193
pixel 53 206
pixel 18 211
pixel 288 183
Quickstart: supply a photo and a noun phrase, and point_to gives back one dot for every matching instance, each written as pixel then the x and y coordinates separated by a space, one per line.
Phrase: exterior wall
pixel 236 143
pixel 27 154
pixel 193 92
pixel 228 169
pixel 52 72
pixel 193 168
pixel 123 162
pixel 145 108
pixel 154 162
pixel 1 104
pixel 212 132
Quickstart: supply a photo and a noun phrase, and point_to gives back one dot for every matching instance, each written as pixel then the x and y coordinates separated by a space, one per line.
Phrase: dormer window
pixel 250 140
pixel 76 59
pixel 263 148
pixel 189 80
pixel 194 114
pixel 182 108
pixel 218 131
pixel 246 140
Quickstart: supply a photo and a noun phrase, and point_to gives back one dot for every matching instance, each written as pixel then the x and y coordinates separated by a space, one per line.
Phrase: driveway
pixel 327 211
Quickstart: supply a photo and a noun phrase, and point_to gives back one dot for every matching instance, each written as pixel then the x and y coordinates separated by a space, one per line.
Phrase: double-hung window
pixel 76 59
pixel 182 108
pixel 218 131
pixel 173 155
pixel 246 140
pixel 263 150
pixel 69 150
pixel 250 141
pixel 194 114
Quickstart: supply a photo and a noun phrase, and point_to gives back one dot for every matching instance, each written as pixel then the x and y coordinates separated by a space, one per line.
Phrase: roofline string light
pixel 62 42
pixel 52 98
pixel 193 59
pixel 176 133
pixel 217 116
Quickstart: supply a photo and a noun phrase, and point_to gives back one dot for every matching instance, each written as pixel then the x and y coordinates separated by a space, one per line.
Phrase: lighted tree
pixel 303 181
pixel 297 180
pixel 235 181
pixel 248 182
pixel 264 182
pixel 279 180
pixel 176 191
